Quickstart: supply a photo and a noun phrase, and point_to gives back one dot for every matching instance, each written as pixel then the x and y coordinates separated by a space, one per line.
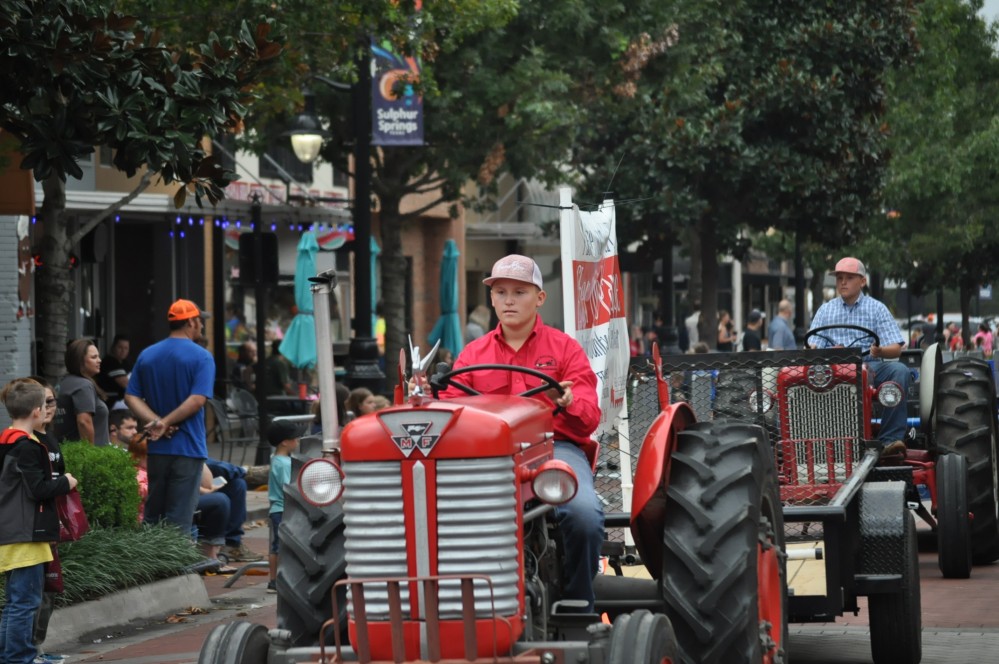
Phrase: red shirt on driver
pixel 547 350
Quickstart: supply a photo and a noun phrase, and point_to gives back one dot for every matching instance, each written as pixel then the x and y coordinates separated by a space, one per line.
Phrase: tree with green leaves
pixel 505 87
pixel 75 75
pixel 944 172
pixel 762 116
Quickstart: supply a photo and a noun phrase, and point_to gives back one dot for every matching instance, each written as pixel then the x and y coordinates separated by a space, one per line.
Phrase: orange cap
pixel 183 310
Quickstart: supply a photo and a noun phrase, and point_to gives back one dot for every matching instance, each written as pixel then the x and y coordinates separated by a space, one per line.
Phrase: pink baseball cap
pixel 516 267
pixel 850 266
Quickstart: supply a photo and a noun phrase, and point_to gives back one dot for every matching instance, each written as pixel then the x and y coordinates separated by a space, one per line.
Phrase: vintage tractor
pixel 951 441
pixel 847 525
pixel 426 534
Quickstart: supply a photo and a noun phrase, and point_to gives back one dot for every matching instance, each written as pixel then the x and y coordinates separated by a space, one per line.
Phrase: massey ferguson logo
pixel 416 436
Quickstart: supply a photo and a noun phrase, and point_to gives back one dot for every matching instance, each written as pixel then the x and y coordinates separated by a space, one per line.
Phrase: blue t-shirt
pixel 164 376
pixel 279 476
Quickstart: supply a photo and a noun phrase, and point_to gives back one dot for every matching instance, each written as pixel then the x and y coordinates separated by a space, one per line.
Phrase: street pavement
pixel 960 620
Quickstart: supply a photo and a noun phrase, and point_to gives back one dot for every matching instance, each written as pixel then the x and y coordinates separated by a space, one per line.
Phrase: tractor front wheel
pixel 236 643
pixel 953 520
pixel 312 559
pixel 966 425
pixel 723 570
pixel 642 638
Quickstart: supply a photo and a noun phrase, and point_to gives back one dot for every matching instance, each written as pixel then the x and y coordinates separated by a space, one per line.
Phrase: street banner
pixel 593 298
pixel 395 120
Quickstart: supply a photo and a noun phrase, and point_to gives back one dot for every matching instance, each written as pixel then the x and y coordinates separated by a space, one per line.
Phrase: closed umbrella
pixel 299 344
pixel 375 281
pixel 448 326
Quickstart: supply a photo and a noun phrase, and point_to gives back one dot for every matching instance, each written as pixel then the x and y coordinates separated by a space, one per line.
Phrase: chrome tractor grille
pixel 834 413
pixel 374 529
pixel 476 531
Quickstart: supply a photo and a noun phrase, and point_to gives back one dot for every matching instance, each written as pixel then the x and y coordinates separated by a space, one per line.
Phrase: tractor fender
pixel 929 372
pixel 652 479
pixel 883 513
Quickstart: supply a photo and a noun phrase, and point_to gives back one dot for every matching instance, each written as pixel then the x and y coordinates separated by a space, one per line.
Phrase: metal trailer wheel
pixel 966 425
pixel 896 621
pixel 953 521
pixel 240 642
pixel 311 560
pixel 642 637
pixel 723 571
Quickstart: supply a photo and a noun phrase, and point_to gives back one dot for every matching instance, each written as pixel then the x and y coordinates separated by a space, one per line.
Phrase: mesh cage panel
pixel 625 442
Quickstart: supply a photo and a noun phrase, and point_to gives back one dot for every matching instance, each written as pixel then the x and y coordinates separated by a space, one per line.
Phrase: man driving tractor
pixel 855 309
pixel 522 339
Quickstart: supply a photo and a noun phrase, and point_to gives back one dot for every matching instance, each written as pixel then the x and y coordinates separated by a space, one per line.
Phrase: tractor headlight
pixel 756 406
pixel 890 394
pixel 554 482
pixel 321 482
pixel 820 376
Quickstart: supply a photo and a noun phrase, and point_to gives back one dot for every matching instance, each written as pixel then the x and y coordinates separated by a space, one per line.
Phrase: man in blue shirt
pixel 168 388
pixel 853 307
pixel 780 336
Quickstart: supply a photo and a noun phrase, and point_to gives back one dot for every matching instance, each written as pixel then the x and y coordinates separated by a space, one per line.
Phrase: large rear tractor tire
pixel 724 574
pixel 953 521
pixel 896 621
pixel 312 559
pixel 239 642
pixel 966 425
pixel 642 637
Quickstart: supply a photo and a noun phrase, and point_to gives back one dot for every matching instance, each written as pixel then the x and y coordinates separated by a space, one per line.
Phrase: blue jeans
pixel 235 489
pixel 215 511
pixel 581 522
pixel 275 518
pixel 173 489
pixel 24 595
pixel 893 420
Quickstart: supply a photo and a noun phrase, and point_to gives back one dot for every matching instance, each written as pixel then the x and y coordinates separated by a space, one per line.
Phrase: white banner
pixel 593 298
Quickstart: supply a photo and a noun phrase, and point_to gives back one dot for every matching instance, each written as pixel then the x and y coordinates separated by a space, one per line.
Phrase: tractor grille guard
pixel 397 612
pixel 810 402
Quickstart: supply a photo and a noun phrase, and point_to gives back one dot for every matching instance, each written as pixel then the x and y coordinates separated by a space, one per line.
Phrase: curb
pixel 153 600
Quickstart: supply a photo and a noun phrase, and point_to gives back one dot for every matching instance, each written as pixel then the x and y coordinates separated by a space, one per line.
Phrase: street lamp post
pixel 363 369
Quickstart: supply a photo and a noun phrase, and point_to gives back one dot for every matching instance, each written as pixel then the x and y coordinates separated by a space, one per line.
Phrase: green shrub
pixel 105 561
pixel 108 486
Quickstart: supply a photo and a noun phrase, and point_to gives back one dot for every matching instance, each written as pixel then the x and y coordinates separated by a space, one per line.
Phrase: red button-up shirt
pixel 547 350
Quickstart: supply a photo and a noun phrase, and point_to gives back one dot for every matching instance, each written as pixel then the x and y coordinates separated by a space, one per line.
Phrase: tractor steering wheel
pixel 447 379
pixel 865 334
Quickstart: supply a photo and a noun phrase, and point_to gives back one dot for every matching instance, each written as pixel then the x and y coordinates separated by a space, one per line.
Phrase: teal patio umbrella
pixel 299 344
pixel 448 326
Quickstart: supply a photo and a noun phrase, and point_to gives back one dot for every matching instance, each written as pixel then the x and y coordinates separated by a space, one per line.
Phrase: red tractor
pixel 845 516
pixel 426 536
